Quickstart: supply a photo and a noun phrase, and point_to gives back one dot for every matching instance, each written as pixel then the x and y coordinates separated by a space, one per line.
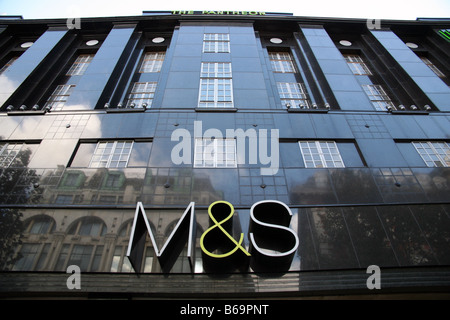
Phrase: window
pixel 87 257
pixel 41 225
pixel 216 70
pixel 141 92
pixel 216 88
pixel 217 153
pixel 59 97
pixel 433 67
pixel 8 64
pixel 282 62
pixel 321 154
pixel 376 93
pixel 16 154
pixel 434 153
pixel 80 65
pixel 216 42
pixel 293 95
pixel 152 62
pixel 379 98
pixel 111 154
pixel 357 65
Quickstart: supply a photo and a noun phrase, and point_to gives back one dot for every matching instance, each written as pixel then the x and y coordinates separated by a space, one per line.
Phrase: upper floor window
pixel 216 42
pixel 15 154
pixel 321 154
pixel 216 153
pixel 434 153
pixel 59 97
pixel 357 65
pixel 379 98
pixel 152 62
pixel 141 93
pixel 80 65
pixel 282 62
pixel 111 154
pixel 432 66
pixel 216 87
pixel 216 70
pixel 293 95
pixel 8 64
pixel 375 91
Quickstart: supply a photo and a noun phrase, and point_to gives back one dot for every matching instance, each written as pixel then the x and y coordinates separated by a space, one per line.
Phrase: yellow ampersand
pixel 238 245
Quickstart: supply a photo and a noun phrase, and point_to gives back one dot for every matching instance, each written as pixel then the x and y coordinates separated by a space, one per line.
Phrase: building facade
pixel 344 121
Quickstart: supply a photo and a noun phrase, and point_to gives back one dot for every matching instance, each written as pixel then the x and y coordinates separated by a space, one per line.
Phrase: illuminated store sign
pixel 272 243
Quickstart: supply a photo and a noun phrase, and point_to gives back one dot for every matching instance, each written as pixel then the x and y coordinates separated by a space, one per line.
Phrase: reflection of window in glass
pixel 321 154
pixel 87 257
pixel 120 262
pixel 111 154
pixel 379 98
pixel 114 180
pixel 8 64
pixel 216 42
pixel 293 95
pixel 88 226
pixel 434 153
pixel 282 62
pixel 15 154
pixel 32 257
pixel 152 62
pixel 217 153
pixel 142 92
pixel 41 225
pixel 59 97
pixel 80 65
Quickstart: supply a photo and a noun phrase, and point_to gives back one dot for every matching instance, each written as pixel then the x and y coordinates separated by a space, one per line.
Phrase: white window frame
pixel 103 159
pixel 318 154
pixel 59 97
pixel 152 62
pixel 216 70
pixel 432 66
pixel 9 152
pixel 282 61
pixel 378 96
pixel 216 153
pixel 215 83
pixel 433 153
pixel 142 92
pixel 357 64
pixel 80 65
pixel 216 43
pixel 293 93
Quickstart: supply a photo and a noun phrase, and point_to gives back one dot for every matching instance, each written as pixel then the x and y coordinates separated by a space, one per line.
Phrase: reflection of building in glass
pixel 87 122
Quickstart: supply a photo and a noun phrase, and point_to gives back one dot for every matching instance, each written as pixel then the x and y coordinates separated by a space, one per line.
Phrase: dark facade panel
pixel 291 122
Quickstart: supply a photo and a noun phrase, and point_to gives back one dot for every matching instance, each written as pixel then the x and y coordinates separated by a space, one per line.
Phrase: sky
pixel 373 9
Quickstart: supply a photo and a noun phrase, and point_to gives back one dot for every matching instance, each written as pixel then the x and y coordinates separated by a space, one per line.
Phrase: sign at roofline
pixel 217 12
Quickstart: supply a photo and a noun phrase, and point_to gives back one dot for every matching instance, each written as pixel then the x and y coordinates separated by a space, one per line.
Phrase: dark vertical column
pixel 421 74
pixel 15 76
pixel 92 84
pixel 346 89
